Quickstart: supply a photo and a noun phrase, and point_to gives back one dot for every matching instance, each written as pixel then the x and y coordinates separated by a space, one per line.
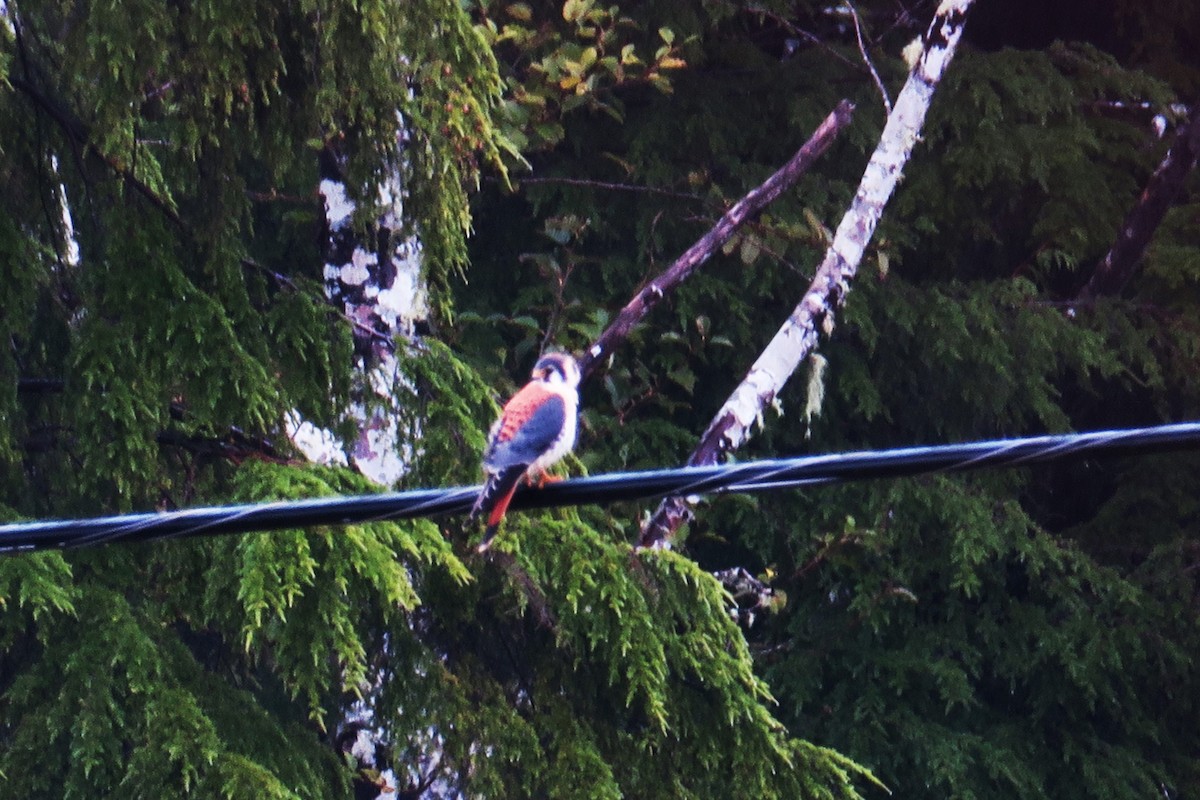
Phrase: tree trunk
pixel 374 276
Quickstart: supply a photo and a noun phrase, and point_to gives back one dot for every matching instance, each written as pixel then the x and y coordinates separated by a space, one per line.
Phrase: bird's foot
pixel 542 478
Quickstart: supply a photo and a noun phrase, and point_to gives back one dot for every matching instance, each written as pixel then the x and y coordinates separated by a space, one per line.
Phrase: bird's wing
pixel 531 422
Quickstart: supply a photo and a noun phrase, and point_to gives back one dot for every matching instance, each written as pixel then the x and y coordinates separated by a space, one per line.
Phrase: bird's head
pixel 557 368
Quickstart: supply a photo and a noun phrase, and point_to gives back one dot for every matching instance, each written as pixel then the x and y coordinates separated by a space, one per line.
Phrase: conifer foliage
pixel 1020 634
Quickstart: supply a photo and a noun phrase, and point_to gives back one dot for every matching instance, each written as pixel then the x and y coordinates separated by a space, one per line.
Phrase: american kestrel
pixel 536 428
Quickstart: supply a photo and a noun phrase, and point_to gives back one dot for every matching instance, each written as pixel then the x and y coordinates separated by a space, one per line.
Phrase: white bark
pixel 69 251
pixel 68 248
pixel 816 311
pixel 382 294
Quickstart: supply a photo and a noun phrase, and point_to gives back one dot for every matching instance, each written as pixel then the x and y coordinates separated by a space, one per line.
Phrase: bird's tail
pixel 494 499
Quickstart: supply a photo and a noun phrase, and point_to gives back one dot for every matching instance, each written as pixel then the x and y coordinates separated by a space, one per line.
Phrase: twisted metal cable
pixel 754 476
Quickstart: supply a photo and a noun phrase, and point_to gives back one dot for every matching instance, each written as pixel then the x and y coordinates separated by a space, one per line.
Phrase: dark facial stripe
pixel 551 365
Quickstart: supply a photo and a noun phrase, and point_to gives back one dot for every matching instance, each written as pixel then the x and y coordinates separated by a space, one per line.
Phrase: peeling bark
pixel 1125 255
pixel 653 292
pixel 816 311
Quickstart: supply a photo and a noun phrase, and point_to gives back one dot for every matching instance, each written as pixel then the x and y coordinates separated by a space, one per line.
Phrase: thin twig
pixel 808 36
pixel 761 242
pixel 275 196
pixel 617 187
pixel 862 48
pixel 287 283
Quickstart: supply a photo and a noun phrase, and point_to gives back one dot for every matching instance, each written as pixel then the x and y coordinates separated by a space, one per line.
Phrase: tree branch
pixel 610 186
pixel 1125 255
pixel 862 49
pixel 799 335
pixel 78 132
pixel 754 202
pixel 363 331
pixel 235 445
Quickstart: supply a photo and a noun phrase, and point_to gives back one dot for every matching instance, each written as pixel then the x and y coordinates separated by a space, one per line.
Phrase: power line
pixel 754 476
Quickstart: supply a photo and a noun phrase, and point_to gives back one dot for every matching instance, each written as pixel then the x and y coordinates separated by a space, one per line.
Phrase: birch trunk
pixel 375 278
pixel 816 311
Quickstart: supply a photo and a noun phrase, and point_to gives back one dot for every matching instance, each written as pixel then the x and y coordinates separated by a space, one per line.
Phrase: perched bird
pixel 536 428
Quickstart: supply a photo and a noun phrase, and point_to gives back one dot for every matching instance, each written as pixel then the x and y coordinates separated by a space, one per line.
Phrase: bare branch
pixel 616 187
pixel 1123 258
pixel 753 203
pixel 799 335
pixel 807 36
pixel 862 48
pixel 284 282
pixel 235 445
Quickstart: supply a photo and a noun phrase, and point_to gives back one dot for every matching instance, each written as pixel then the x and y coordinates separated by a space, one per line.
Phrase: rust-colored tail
pixel 496 495
pixel 495 518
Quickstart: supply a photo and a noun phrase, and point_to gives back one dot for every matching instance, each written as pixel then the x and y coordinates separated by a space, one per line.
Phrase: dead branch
pixel 1125 255
pixel 284 282
pixel 799 335
pixel 753 203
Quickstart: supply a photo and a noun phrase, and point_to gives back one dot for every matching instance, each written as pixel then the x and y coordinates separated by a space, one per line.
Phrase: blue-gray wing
pixel 525 431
